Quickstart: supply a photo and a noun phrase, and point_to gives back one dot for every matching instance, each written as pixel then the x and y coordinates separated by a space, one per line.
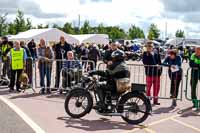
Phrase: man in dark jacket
pixel 61 50
pixel 153 73
pixel 94 55
pixel 32 48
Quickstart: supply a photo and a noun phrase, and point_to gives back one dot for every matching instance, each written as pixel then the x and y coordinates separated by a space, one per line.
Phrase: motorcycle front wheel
pixel 78 103
pixel 136 108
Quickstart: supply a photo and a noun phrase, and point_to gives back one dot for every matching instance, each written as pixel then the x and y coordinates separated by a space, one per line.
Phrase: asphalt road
pixel 10 122
pixel 48 112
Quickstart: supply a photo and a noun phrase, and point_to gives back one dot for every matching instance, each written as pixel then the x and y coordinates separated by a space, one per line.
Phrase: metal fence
pixel 192 84
pixel 166 81
pixel 51 73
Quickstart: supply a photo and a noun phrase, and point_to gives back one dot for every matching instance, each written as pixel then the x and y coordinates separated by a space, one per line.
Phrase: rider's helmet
pixel 118 55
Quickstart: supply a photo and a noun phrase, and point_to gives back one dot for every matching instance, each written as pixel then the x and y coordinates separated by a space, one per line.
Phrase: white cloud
pixel 113 12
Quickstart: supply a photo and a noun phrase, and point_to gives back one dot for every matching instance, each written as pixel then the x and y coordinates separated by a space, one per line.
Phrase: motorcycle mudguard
pixel 143 94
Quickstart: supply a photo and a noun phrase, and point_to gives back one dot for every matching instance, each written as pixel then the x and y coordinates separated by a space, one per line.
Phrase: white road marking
pixel 30 122
pixel 186 125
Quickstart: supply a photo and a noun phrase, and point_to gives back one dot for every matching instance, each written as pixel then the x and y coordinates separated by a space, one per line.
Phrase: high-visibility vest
pixel 17 59
pixel 186 52
pixel 4 48
pixel 195 59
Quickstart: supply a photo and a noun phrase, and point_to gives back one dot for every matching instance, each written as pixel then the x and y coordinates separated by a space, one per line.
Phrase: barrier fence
pixel 51 73
pixel 166 81
pixel 192 84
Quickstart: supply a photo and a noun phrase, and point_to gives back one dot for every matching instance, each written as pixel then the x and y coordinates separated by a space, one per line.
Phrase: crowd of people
pixel 15 57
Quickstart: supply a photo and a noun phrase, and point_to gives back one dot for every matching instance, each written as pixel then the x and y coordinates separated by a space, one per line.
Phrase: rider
pixel 117 70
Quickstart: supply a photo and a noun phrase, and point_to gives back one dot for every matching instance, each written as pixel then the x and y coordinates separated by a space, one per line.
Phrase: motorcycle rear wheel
pixel 135 108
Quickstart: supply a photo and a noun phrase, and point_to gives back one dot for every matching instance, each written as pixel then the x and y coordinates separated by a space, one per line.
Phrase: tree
pixel 28 24
pixel 85 29
pixel 19 22
pixel 115 32
pixel 68 28
pixel 11 29
pixel 180 33
pixel 135 32
pixel 41 26
pixel 154 32
pixel 101 29
pixel 3 24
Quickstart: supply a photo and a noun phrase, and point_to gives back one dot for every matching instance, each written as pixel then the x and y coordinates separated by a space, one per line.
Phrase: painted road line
pixel 30 122
pixel 151 124
pixel 186 125
pixel 149 130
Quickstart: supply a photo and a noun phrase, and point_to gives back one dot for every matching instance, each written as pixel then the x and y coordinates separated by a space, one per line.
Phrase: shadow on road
pixel 25 96
pixel 57 96
pixel 189 112
pixel 96 125
pixel 165 110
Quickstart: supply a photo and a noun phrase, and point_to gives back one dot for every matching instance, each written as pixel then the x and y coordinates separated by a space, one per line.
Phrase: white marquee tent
pixel 50 34
pixel 92 38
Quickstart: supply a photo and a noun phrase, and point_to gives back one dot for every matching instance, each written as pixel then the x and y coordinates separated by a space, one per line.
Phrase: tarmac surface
pixel 47 111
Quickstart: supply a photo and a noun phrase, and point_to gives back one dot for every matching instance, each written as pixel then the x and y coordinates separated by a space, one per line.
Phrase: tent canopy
pixel 50 34
pixel 92 38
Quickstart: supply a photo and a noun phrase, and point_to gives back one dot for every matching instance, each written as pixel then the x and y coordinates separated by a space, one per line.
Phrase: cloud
pixel 186 10
pixel 181 6
pixel 97 1
pixel 27 6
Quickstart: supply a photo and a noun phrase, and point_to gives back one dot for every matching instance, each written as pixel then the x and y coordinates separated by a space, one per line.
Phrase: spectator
pixel 107 57
pixel 185 54
pixel 173 61
pixel 29 62
pixel 22 44
pixel 94 55
pixel 72 70
pixel 153 73
pixel 61 50
pixel 78 51
pixel 84 55
pixel 195 74
pixel 135 48
pixel 32 49
pixel 45 55
pixel 18 60
pixel 5 49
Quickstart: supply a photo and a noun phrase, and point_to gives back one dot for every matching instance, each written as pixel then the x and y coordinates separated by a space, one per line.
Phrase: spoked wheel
pixel 136 108
pixel 78 103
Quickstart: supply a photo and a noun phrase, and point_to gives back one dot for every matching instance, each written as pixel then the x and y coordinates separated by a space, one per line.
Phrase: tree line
pixel 21 24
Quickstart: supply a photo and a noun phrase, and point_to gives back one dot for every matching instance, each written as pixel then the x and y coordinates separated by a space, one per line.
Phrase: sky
pixel 176 14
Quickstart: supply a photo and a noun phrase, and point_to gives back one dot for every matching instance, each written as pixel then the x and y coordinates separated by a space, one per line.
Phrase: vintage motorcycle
pixel 132 105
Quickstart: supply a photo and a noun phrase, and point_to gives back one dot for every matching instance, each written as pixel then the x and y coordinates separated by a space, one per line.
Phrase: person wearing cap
pixel 195 73
pixel 152 71
pixel 107 57
pixel 18 62
pixel 173 61
pixel 45 56
pixel 5 49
